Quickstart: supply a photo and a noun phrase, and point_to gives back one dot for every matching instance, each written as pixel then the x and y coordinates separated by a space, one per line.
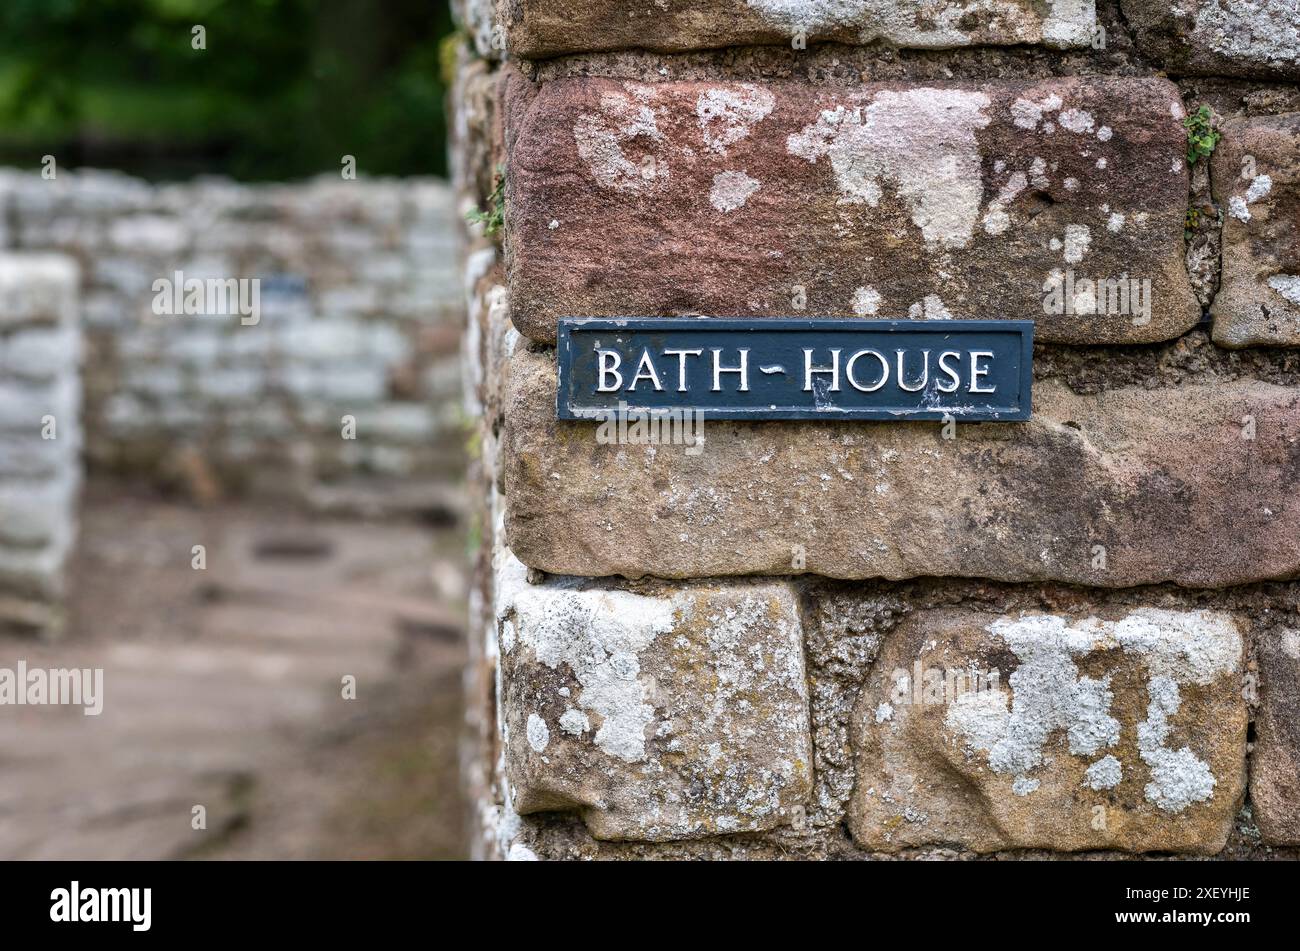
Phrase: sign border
pixel 1024 328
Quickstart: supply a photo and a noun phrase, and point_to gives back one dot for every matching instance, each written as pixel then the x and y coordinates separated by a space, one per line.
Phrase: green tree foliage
pixel 283 89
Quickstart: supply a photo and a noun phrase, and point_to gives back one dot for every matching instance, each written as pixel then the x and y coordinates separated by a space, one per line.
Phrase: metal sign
pixel 795 368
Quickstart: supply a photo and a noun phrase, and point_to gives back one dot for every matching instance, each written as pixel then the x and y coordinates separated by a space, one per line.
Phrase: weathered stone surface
pixel 40 435
pixel 37 289
pixel 1253 38
pixel 1002 199
pixel 1256 181
pixel 495 339
pixel 1275 762
pixel 475 133
pixel 40 353
pixel 542 28
pixel 1174 484
pixel 478 19
pixel 1042 731
pixel 37 514
pixel 662 715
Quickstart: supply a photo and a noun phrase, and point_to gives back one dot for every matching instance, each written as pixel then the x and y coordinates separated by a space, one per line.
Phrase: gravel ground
pixel 223 689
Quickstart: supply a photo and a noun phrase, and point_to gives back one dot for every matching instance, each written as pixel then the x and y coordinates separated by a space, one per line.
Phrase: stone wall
pixel 1075 635
pixel 41 434
pixel 358 316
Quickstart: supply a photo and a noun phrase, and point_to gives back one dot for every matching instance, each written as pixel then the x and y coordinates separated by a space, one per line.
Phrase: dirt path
pixel 223 688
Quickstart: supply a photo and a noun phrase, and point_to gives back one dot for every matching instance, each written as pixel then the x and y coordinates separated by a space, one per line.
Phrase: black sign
pixel 795 368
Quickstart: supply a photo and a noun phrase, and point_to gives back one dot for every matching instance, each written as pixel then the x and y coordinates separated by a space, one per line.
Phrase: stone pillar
pixel 40 436
pixel 853 639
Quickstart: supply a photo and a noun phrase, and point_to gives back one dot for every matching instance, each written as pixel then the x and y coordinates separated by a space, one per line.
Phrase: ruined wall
pixel 358 315
pixel 40 435
pixel 1078 634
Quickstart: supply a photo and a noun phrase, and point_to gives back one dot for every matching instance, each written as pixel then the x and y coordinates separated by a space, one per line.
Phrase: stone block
pixel 1197 484
pixel 542 28
pixel 657 715
pixel 34 514
pixel 1247 38
pixel 41 352
pixel 37 289
pixel 1124 730
pixel 1275 763
pixel 1256 181
pixel 1061 200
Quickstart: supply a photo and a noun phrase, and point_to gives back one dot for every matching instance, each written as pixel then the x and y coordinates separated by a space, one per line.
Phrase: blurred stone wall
pixel 359 318
pixel 40 435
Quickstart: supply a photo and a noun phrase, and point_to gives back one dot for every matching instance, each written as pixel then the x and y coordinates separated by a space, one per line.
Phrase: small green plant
pixel 494 219
pixel 1202 137
pixel 1191 223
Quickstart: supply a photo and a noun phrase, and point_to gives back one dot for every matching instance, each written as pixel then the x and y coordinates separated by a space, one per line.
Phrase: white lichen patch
pixel 1023 786
pixel 1077 240
pixel 996 218
pixel 1115 223
pixel 866 301
pixel 981 717
pixel 931 307
pixel 1053 758
pixel 1078 121
pixel 1258 31
pixel 1260 186
pixel 1178 777
pixel 1027 114
pixel 727 114
pixel 521 853
pixel 1050 696
pixel 1038 173
pixel 1192 647
pixel 1104 774
pixel 574 722
pixel 538 733
pixel 731 190
pixel 812 15
pixel 599 636
pixel 1239 205
pixel 936 23
pixel 920 141
pixel 623 119
pixel 1070 22
pixel 1288 285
